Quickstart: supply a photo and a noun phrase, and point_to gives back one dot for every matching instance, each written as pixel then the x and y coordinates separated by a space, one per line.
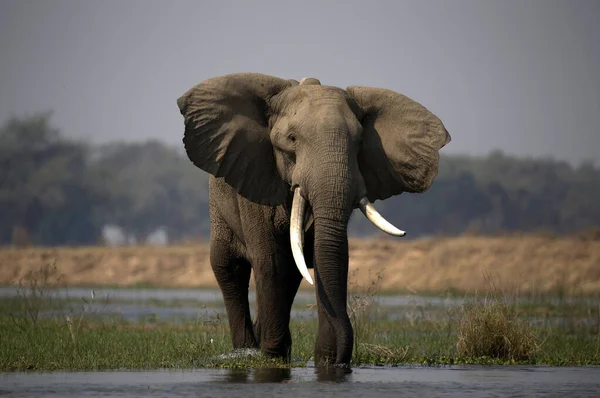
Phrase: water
pixel 214 296
pixel 455 381
pixel 133 304
pixel 183 305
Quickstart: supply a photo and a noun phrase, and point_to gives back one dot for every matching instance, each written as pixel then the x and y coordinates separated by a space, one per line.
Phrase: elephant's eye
pixel 292 137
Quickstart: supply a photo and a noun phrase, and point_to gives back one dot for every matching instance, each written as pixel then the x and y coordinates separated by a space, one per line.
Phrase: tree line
pixel 58 191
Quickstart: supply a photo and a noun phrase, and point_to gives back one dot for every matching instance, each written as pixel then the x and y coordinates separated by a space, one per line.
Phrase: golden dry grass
pixel 528 264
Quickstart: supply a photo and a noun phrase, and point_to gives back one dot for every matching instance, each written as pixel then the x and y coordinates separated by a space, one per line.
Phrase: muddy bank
pixel 465 264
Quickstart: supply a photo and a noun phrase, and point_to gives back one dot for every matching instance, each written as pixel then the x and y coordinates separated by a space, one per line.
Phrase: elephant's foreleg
pixel 233 277
pixel 291 284
pixel 277 282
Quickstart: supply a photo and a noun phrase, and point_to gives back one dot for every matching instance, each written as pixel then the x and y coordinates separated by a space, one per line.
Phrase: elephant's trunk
pixel 331 274
pixel 331 193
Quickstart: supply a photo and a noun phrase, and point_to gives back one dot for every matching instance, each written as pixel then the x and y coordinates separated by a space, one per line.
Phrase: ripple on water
pixel 449 381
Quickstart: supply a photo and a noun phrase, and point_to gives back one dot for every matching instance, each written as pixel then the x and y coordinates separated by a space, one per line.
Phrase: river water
pixel 183 305
pixel 453 381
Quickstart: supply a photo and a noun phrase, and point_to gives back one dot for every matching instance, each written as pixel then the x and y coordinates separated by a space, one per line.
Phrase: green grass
pixel 116 344
pixel 493 330
pixel 454 335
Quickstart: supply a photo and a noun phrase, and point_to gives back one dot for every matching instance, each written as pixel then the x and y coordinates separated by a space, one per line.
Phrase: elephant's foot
pixel 274 350
pixel 329 362
pixel 325 358
pixel 278 346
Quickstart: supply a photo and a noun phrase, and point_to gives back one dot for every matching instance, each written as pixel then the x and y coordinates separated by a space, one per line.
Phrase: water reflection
pixel 259 375
pixel 282 375
pixel 279 375
pixel 236 376
pixel 332 374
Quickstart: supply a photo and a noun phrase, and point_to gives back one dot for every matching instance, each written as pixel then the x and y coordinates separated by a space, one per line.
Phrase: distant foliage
pixel 57 191
pixel 149 186
pixel 46 194
pixel 498 194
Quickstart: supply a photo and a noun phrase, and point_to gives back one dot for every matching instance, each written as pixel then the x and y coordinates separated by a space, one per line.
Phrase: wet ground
pixel 455 381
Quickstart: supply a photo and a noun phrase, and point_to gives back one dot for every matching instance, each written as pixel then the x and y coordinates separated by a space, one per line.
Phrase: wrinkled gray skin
pixel 260 137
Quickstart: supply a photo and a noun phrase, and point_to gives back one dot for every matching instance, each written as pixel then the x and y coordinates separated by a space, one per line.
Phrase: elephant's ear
pixel 227 133
pixel 401 142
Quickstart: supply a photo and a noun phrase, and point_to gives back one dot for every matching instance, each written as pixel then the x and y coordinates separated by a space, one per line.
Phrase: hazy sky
pixel 517 75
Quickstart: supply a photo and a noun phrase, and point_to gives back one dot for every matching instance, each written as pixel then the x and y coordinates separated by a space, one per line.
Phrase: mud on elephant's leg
pixel 233 277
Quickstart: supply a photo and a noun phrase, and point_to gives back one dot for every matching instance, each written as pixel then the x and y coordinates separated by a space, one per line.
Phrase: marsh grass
pixel 362 311
pixel 77 315
pixel 493 326
pixel 492 329
pixel 34 292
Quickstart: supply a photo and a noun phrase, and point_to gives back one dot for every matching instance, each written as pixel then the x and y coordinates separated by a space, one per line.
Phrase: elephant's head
pixel 335 149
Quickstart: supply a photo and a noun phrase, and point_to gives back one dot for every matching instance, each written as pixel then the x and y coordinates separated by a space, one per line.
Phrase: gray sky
pixel 516 75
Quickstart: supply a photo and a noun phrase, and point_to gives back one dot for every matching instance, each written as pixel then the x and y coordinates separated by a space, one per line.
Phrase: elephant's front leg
pixel 277 280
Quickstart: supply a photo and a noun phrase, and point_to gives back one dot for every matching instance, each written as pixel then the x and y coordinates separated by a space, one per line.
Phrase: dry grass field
pixel 527 264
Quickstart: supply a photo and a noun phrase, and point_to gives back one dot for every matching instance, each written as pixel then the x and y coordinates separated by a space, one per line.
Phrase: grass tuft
pixel 35 291
pixel 493 327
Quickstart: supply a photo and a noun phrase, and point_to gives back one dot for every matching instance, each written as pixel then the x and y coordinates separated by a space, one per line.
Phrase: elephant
pixel 289 161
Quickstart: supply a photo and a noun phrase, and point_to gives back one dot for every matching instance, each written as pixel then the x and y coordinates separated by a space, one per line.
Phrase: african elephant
pixel 289 161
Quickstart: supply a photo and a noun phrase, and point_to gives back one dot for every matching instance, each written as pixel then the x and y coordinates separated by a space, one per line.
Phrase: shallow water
pixel 135 304
pixel 183 305
pixel 455 381
pixel 214 296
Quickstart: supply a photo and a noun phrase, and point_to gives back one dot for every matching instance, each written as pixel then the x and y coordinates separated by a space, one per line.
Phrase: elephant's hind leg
pixel 233 275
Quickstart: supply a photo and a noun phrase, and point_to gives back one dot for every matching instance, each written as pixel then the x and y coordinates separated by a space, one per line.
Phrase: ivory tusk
pixel 297 234
pixel 373 215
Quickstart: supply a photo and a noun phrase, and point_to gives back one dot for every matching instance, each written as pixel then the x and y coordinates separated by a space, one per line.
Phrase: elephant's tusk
pixel 297 234
pixel 373 215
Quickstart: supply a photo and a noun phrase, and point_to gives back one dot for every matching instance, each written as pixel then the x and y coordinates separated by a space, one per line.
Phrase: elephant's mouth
pixel 301 220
